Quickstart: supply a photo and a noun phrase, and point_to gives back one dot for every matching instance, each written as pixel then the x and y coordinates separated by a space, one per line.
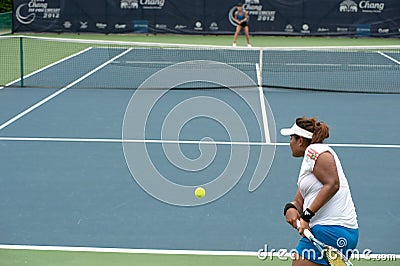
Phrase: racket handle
pixel 307 233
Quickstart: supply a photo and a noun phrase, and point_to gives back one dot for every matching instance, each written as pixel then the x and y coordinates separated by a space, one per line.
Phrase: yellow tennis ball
pixel 200 192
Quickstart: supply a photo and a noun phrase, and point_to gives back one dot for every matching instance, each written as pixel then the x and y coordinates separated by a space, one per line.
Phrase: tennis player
pixel 323 201
pixel 241 18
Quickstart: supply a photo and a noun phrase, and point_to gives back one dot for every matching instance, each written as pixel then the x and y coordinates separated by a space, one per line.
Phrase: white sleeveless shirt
pixel 339 210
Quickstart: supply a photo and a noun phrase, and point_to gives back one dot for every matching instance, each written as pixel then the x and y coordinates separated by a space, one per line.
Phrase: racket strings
pixel 334 258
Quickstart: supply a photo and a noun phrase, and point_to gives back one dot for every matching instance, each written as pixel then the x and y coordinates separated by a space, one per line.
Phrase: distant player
pixel 241 18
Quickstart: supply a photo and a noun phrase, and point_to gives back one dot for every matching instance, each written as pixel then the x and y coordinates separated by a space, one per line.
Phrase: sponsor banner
pixel 140 26
pixel 27 14
pixel 363 30
pixel 350 6
pixel 266 17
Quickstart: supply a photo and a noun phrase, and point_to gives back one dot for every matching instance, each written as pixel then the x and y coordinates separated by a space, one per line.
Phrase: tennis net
pixel 36 62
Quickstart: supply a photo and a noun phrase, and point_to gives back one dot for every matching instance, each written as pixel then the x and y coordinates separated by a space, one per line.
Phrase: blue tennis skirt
pixel 342 238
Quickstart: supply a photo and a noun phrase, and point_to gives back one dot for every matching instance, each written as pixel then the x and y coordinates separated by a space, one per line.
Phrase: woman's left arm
pixel 326 172
pixel 246 16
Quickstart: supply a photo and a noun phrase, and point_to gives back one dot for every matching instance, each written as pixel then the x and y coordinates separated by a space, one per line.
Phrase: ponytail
pixel 320 130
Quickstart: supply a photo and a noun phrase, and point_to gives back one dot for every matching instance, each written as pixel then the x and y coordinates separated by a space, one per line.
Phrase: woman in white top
pixel 323 201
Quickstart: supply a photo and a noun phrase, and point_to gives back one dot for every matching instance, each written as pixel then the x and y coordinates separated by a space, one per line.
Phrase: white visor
pixel 296 130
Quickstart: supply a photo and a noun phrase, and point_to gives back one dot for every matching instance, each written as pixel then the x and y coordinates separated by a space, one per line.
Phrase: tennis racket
pixel 331 255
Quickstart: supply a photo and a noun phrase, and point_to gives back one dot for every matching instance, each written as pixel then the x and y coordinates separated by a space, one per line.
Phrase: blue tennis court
pixel 68 150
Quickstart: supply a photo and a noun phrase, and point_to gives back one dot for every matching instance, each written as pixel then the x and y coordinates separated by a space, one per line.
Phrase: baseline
pixel 259 253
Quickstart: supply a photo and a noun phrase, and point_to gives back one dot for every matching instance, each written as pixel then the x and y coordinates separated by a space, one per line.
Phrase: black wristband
pixel 307 215
pixel 287 207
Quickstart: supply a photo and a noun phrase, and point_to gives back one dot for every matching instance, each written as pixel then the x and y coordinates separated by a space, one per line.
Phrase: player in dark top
pixel 241 18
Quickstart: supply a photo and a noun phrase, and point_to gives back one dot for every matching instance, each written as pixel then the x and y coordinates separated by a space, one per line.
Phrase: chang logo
pixel 152 4
pixel 348 6
pixel 27 13
pixel 371 7
pixel 23 15
pixel 129 4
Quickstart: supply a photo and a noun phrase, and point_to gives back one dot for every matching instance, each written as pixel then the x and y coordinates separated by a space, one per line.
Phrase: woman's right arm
pixel 292 214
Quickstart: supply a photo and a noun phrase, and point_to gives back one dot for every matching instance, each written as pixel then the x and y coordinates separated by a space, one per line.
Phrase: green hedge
pixel 5 6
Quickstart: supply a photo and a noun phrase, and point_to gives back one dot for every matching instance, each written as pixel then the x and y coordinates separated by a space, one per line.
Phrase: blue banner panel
pixel 266 17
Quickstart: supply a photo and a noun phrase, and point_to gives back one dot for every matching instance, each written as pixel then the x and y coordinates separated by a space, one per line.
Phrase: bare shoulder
pixel 325 168
pixel 325 159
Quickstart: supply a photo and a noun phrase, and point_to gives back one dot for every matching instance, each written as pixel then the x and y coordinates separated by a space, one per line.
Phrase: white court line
pixel 389 57
pixel 33 107
pixel 311 64
pixel 129 251
pixel 197 142
pixel 262 103
pixel 176 62
pixel 260 253
pixel 341 65
pixel 150 141
pixel 48 66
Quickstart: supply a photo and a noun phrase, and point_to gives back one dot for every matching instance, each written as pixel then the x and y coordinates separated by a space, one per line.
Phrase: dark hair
pixel 239 4
pixel 320 130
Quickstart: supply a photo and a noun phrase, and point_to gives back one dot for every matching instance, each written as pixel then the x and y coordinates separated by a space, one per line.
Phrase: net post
pixel 21 60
